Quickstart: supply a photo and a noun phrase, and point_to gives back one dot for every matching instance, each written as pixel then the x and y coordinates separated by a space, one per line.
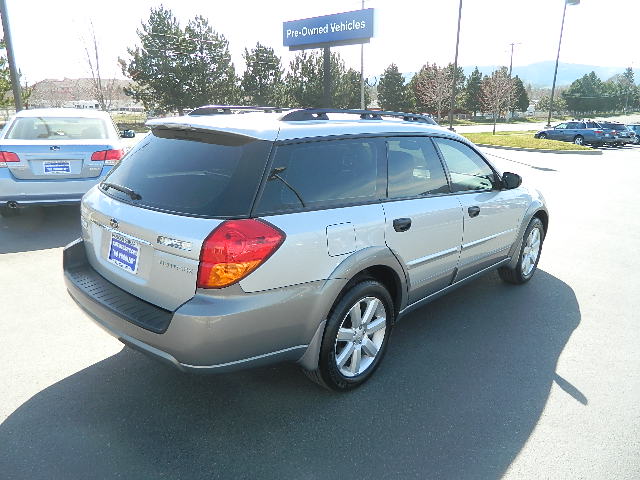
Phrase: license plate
pixel 53 167
pixel 124 253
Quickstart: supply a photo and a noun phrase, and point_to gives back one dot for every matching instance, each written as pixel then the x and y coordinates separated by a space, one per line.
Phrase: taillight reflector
pixel 6 157
pixel 235 249
pixel 109 157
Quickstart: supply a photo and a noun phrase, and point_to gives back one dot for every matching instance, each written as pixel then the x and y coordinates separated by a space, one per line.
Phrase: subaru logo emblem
pixel 54 147
pixel 114 223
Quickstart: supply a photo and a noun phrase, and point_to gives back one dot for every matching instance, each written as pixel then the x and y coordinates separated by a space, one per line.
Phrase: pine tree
pixel 473 93
pixel 262 82
pixel 520 101
pixel 392 92
pixel 175 69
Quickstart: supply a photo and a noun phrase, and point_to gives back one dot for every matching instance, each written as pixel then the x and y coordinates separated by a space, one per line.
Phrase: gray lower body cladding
pixel 215 331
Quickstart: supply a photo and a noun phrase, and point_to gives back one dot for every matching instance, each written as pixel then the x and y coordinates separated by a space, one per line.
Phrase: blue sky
pixel 48 36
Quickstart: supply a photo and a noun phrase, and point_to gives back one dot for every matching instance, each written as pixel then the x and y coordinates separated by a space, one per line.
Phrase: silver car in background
pixel 54 156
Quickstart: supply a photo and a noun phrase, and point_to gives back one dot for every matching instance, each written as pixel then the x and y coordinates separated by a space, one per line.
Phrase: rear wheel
pixel 529 255
pixel 578 140
pixel 355 338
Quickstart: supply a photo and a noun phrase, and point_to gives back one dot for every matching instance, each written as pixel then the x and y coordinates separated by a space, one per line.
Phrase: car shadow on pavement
pixel 462 387
pixel 39 228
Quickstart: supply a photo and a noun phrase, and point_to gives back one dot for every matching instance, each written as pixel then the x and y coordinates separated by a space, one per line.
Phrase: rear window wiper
pixel 120 188
pixel 275 173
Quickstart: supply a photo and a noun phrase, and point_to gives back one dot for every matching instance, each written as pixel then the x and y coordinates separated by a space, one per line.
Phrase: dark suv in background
pixel 582 132
pixel 620 130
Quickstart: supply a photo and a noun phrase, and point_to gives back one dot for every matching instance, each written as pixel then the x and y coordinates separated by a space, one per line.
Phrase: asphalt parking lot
pixel 491 381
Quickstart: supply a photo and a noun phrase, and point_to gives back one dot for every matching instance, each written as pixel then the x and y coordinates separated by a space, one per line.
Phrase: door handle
pixel 402 224
pixel 473 211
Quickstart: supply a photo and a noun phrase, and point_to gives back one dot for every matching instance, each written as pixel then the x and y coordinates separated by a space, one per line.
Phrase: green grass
pixel 520 140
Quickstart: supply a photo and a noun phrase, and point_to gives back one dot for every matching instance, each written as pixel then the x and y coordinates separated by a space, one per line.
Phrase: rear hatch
pixel 55 159
pixel 144 225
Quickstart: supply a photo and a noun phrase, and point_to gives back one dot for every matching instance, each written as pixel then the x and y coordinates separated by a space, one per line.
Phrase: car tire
pixel 542 136
pixel 351 352
pixel 578 140
pixel 529 255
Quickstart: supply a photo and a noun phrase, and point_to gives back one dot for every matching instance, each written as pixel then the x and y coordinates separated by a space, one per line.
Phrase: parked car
pixel 581 133
pixel 635 128
pixel 620 130
pixel 227 241
pixel 54 156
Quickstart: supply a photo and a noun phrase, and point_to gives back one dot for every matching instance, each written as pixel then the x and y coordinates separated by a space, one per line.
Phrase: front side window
pixel 58 128
pixel 414 168
pixel 467 169
pixel 322 174
pixel 562 126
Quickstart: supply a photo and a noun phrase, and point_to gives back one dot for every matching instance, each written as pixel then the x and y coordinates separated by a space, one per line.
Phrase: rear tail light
pixel 6 157
pixel 235 249
pixel 109 157
pixel 599 132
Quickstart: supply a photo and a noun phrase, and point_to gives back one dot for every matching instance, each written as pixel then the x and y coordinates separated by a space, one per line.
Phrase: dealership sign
pixel 329 30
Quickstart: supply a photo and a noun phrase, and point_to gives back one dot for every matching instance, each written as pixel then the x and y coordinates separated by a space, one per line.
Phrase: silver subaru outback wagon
pixel 228 241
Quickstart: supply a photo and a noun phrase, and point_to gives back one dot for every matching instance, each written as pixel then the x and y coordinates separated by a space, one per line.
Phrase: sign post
pixel 348 28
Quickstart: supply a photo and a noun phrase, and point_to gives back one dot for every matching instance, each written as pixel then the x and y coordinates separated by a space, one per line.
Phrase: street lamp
pixel 555 73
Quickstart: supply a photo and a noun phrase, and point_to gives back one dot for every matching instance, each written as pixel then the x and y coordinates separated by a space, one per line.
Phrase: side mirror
pixel 511 180
pixel 127 134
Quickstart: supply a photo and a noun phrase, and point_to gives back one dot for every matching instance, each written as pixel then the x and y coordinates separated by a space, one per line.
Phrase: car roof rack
pixel 227 109
pixel 305 114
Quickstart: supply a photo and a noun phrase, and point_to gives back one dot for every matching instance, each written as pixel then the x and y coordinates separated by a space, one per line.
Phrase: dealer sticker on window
pixel 124 253
pixel 57 166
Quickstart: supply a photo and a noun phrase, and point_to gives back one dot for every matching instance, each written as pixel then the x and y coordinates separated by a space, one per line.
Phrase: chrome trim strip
pixel 244 360
pixel 433 256
pixel 485 239
pixel 118 232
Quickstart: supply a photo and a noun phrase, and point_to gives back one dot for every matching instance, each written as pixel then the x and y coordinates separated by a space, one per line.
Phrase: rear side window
pixel 58 128
pixel 414 168
pixel 192 172
pixel 467 169
pixel 323 174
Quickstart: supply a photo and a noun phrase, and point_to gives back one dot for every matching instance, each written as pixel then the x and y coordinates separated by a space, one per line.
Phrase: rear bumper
pixel 230 331
pixel 45 192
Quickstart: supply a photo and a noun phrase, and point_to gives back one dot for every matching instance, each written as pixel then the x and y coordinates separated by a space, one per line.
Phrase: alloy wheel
pixel 360 336
pixel 531 252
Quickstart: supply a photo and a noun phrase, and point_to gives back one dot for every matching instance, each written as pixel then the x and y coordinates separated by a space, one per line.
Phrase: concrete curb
pixel 535 150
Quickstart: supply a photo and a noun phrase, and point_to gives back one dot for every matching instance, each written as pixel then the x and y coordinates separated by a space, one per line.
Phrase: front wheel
pixel 542 136
pixel 529 255
pixel 578 140
pixel 355 337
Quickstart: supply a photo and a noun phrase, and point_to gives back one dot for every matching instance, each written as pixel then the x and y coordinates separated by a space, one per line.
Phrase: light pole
pixel 13 70
pixel 555 73
pixel 455 70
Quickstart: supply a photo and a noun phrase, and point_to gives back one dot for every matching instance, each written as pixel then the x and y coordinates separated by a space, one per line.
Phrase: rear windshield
pixel 192 173
pixel 614 126
pixel 58 128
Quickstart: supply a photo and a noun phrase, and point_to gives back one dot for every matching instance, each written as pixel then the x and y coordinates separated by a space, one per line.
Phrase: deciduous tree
pixel 497 89
pixel 433 88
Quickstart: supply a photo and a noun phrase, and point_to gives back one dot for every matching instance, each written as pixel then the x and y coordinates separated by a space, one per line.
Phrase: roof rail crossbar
pixel 227 109
pixel 321 114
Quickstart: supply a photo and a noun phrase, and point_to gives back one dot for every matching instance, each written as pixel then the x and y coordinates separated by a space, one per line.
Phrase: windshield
pixel 194 173
pixel 59 128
